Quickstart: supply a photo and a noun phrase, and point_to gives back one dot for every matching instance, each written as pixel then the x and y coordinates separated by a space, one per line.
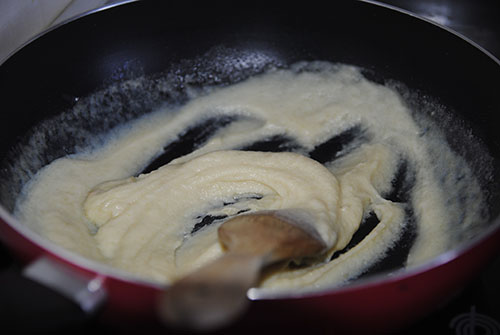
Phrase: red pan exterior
pixel 381 305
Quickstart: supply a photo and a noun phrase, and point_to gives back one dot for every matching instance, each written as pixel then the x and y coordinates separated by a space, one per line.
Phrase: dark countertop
pixel 478 20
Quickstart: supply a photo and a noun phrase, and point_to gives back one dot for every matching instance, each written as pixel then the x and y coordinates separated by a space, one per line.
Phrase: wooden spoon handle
pixel 213 295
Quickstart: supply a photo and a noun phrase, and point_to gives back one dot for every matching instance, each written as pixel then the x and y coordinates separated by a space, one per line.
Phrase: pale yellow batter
pixel 91 204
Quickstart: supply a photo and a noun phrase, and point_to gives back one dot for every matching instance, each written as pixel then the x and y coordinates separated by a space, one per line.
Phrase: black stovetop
pixel 477 309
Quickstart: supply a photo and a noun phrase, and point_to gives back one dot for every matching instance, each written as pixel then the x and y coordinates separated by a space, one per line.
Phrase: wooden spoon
pixel 215 295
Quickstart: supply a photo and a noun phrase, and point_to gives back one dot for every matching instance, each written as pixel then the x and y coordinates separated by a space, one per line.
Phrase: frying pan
pixel 72 83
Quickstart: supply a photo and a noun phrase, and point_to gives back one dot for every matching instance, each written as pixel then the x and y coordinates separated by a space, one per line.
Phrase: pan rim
pixel 63 23
pixel 372 2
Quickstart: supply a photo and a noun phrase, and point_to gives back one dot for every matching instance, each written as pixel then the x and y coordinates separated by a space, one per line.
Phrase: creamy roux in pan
pixel 95 203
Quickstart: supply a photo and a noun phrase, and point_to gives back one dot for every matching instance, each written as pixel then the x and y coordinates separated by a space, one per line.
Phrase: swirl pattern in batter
pixel 317 136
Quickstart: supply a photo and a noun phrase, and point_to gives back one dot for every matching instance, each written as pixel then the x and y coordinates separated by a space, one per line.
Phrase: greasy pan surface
pixel 210 47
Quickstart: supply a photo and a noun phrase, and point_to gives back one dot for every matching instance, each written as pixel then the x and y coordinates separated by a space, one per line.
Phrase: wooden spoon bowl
pixel 215 295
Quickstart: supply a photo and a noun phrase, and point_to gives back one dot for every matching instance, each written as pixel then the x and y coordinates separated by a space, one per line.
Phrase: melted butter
pixel 91 203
